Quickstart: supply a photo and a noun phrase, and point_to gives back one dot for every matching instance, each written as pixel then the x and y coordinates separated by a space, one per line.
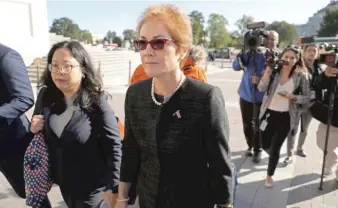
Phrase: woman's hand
pixel 255 79
pixel 37 123
pixel 331 72
pixel 110 197
pixel 288 95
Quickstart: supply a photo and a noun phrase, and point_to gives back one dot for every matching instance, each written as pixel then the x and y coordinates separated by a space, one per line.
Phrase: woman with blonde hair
pixel 176 142
pixel 281 104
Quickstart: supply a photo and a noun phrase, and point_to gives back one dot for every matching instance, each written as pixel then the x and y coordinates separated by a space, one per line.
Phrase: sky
pixel 100 16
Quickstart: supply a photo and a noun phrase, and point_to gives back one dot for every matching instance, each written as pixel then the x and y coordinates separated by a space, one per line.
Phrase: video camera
pixel 330 57
pixel 255 36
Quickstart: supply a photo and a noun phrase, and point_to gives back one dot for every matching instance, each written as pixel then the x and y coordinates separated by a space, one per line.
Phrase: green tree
pixel 129 34
pixel 86 36
pixel 110 36
pixel 236 40
pixel 197 22
pixel 329 26
pixel 68 28
pixel 287 32
pixel 219 36
pixel 242 24
pixel 117 40
pixel 242 27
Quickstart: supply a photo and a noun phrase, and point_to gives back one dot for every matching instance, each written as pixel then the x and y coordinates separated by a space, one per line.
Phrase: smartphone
pixel 283 62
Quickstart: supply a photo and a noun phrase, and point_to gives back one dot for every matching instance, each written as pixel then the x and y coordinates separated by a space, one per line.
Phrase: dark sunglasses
pixel 156 44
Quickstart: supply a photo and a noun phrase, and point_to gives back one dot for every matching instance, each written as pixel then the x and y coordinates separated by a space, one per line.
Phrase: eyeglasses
pixel 293 47
pixel 156 44
pixel 67 68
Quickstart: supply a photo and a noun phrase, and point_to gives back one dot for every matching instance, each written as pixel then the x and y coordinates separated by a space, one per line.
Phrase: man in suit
pixel 16 98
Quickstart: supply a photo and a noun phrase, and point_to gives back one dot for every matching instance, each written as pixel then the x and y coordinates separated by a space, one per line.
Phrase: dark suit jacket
pixel 87 156
pixel 16 98
pixel 179 161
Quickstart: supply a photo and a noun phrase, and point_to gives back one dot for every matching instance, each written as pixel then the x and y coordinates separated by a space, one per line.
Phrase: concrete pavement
pixel 296 186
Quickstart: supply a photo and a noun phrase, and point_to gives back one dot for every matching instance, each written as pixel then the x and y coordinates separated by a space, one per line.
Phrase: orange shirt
pixel 189 69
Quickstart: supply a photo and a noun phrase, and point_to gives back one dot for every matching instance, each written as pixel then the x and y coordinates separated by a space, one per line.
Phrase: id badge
pixel 264 124
pixel 312 95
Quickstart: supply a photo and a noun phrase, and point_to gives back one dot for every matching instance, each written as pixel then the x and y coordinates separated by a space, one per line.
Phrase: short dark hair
pixel 91 84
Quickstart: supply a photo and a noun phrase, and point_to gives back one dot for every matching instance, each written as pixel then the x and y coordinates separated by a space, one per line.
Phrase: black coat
pixel 87 156
pixel 179 159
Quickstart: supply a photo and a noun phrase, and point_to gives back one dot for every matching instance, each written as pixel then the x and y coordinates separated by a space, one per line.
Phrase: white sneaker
pixel 269 183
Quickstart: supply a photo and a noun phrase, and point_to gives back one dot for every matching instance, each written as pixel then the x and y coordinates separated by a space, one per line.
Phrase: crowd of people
pixel 173 150
pixel 288 91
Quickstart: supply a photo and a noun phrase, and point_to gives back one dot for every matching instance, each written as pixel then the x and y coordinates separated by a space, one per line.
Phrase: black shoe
pixel 248 152
pixel 301 153
pixel 257 157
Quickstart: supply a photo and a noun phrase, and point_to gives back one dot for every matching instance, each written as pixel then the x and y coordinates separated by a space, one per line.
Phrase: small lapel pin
pixel 177 113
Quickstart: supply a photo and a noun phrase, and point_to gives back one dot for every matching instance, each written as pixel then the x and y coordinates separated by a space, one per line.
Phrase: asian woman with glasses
pixel 79 128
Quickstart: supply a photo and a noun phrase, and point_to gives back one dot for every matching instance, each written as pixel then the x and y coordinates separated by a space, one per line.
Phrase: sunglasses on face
pixel 294 48
pixel 156 44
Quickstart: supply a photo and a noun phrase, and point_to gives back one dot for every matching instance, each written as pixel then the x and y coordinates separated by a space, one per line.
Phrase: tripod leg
pixel 329 158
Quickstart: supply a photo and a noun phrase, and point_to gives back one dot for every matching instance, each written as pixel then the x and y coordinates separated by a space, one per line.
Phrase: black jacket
pixel 179 160
pixel 319 110
pixel 88 154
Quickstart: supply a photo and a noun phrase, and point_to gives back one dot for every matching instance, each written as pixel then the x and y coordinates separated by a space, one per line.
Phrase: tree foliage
pixel 218 34
pixel 242 24
pixel 329 26
pixel 117 40
pixel 197 21
pixel 110 36
pixel 129 34
pixel 287 32
pixel 68 28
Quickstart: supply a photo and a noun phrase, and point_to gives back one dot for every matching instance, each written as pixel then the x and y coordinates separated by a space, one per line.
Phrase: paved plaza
pixel 296 186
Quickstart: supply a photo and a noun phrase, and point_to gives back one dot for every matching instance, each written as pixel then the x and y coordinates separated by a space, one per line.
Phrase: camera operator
pixel 280 113
pixel 246 91
pixel 311 54
pixel 327 81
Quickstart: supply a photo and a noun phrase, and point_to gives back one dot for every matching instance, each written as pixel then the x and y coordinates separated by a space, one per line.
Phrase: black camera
pixel 254 38
pixel 273 60
pixel 330 57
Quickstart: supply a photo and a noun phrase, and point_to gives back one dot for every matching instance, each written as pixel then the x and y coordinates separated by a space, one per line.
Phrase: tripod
pixel 254 88
pixel 329 118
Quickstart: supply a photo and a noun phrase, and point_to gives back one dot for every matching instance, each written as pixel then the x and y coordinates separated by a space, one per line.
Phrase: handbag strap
pixel 38 109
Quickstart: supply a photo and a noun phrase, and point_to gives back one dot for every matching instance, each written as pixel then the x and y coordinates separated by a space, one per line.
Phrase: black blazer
pixel 188 154
pixel 16 98
pixel 88 154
